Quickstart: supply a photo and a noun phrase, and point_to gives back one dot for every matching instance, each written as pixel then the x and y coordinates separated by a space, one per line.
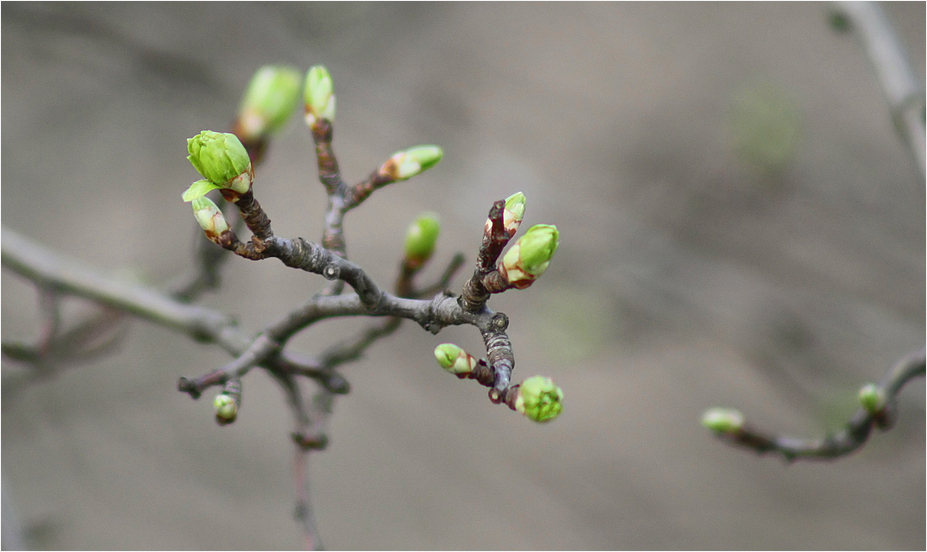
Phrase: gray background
pixel 686 278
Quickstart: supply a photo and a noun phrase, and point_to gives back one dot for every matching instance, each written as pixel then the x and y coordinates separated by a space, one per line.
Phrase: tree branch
pixel 845 441
pixel 903 90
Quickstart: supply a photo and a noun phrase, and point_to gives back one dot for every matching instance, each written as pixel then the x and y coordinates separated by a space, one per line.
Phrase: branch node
pixel 331 271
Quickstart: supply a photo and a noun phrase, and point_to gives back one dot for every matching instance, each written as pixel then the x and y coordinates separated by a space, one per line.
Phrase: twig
pixel 903 90
pixel 846 441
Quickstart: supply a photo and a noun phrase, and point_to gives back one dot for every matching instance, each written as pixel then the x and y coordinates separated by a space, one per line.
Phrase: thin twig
pixel 845 441
pixel 903 90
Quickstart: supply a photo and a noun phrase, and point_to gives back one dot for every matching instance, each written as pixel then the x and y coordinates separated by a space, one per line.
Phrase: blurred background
pixel 740 226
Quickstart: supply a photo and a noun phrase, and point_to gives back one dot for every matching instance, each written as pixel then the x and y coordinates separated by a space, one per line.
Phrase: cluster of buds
pixel 537 398
pixel 224 163
pixel 527 260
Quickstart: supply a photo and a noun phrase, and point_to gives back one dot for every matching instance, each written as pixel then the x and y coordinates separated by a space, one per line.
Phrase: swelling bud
pixel 512 215
pixel 271 97
pixel 539 399
pixel 872 398
pixel 209 217
pixel 223 162
pixel 525 261
pixel 411 162
pixel 454 359
pixel 226 409
pixel 319 93
pixel 421 237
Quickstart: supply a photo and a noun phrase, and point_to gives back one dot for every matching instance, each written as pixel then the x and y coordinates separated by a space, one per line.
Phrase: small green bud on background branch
pixel 877 411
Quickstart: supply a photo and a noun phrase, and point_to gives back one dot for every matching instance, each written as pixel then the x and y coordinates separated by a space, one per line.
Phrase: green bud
pixel 512 215
pixel 525 261
pixel 723 420
pixel 226 408
pixel 209 217
pixel 271 97
pixel 514 212
pixel 872 398
pixel 408 163
pixel 539 399
pixel 221 159
pixel 319 95
pixel 421 237
pixel 454 359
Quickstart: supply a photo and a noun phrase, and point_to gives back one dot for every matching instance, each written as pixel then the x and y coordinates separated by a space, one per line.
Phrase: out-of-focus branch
pixel 903 90
pixel 55 271
pixel 879 410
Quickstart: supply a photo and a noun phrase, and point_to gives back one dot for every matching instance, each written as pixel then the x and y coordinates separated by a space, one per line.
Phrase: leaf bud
pixel 539 399
pixel 228 402
pixel 319 95
pixel 408 163
pixel 872 398
pixel 525 261
pixel 454 359
pixel 209 217
pixel 271 97
pixel 512 215
pixel 421 237
pixel 222 160
pixel 226 408
pixel 723 420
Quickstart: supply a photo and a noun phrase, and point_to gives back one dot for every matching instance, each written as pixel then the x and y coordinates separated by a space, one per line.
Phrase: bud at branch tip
pixel 223 162
pixel 539 399
pixel 209 217
pixel 454 359
pixel 528 258
pixel 226 408
pixel 319 95
pixel 411 162
pixel 723 420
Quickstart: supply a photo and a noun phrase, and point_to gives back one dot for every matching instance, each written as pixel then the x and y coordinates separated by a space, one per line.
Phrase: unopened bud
pixel 271 97
pixel 222 161
pixel 528 258
pixel 454 359
pixel 872 398
pixel 512 215
pixel 539 399
pixel 226 409
pixel 723 420
pixel 228 402
pixel 421 237
pixel 319 94
pixel 209 217
pixel 408 163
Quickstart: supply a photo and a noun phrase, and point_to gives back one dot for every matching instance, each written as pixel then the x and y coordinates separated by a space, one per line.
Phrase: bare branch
pixel 903 90
pixel 851 437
